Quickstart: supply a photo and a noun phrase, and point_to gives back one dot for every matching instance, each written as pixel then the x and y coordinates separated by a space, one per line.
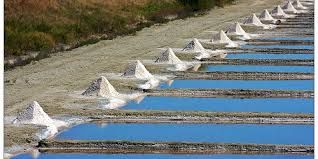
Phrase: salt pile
pixel 266 16
pixel 33 114
pixel 221 38
pixel 298 5
pixel 194 46
pixel 278 12
pixel 101 87
pixel 289 8
pixel 138 70
pixel 253 20
pixel 236 29
pixel 169 57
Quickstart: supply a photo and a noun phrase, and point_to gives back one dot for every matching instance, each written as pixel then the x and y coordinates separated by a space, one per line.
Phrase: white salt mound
pixel 236 29
pixel 266 16
pixel 288 7
pixel 101 87
pixel 169 57
pixel 33 114
pixel 138 70
pixel 253 20
pixel 222 38
pixel 298 5
pixel 193 45
pixel 278 12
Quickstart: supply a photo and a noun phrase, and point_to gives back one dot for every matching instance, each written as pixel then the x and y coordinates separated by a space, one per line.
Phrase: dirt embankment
pixel 167 147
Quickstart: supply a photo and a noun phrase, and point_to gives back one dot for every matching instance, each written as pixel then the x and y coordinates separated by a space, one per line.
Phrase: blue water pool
pixel 278 46
pixel 269 56
pixel 228 133
pixel 224 104
pixel 290 38
pixel 242 84
pixel 257 68
pixel 161 156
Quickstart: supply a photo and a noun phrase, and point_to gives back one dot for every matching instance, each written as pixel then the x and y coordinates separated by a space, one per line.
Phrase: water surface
pixel 242 84
pixel 160 156
pixel 269 56
pixel 224 104
pixel 257 68
pixel 228 133
pixel 311 47
pixel 309 38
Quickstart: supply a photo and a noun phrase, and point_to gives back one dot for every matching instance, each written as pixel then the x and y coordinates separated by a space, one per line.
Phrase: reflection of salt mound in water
pixel 169 57
pixel 289 8
pixel 221 38
pixel 211 54
pixel 193 45
pixel 236 29
pixel 150 84
pixel 33 114
pixel 278 12
pixel 101 87
pixel 138 70
pixel 298 5
pixel 266 16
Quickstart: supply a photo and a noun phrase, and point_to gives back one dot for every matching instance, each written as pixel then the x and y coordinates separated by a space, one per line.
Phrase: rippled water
pixel 227 133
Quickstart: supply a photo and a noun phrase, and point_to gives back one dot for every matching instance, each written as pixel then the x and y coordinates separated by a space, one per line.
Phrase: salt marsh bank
pixel 238 80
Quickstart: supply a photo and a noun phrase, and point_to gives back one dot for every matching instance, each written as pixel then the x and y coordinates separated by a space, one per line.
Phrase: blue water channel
pixel 311 47
pixel 257 68
pixel 226 133
pixel 244 84
pixel 268 56
pixel 161 156
pixel 308 38
pixel 295 105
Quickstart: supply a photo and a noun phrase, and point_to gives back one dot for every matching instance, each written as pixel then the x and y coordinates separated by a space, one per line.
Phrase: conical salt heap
pixel 278 12
pixel 138 70
pixel 254 21
pixel 236 29
pixel 101 87
pixel 266 16
pixel 169 57
pixel 298 5
pixel 221 38
pixel 289 8
pixel 194 45
pixel 33 114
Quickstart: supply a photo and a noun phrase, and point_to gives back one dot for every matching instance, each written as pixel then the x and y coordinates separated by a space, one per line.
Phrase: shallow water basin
pixel 257 68
pixel 227 133
pixel 296 105
pixel 244 84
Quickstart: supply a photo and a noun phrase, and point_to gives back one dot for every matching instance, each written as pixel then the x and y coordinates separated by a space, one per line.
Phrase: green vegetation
pixel 36 25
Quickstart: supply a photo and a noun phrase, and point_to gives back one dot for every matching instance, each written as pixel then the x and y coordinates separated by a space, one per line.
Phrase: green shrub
pixel 36 41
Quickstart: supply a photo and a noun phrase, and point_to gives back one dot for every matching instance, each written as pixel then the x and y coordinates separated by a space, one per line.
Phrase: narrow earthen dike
pixel 244 75
pixel 155 116
pixel 231 93
pixel 75 146
pixel 277 62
